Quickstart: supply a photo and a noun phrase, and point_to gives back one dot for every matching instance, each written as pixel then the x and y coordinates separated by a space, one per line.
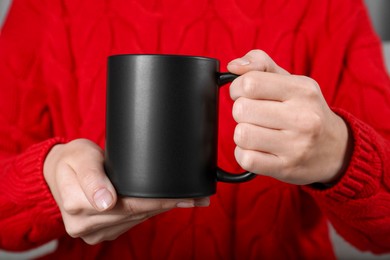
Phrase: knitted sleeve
pixel 358 206
pixel 29 215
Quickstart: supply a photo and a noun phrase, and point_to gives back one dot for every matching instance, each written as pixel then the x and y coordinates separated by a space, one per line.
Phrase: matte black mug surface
pixel 161 127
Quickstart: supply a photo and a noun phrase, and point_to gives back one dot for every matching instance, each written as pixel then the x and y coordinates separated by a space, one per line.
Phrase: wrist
pixel 343 152
pixel 49 165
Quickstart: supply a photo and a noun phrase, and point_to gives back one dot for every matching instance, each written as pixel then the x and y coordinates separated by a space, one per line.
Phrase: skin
pixel 89 205
pixel 285 130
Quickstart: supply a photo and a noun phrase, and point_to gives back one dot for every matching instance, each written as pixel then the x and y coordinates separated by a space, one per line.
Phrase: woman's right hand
pixel 87 200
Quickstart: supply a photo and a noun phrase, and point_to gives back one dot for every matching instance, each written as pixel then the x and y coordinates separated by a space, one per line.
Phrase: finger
pixel 84 224
pixel 255 60
pixel 71 196
pixel 263 86
pixel 138 208
pixel 251 137
pixel 258 162
pixel 112 232
pixel 142 205
pixel 72 202
pixel 202 202
pixel 125 211
pixel 88 166
pixel 108 233
pixel 269 114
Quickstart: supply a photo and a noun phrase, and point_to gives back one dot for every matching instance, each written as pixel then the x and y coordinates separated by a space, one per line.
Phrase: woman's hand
pixel 88 202
pixel 285 128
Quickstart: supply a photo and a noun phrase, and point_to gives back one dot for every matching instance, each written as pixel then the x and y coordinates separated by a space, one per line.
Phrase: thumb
pixel 255 60
pixel 88 166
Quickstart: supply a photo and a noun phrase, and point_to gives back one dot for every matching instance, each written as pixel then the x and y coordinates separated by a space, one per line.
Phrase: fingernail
pixel 185 204
pixel 102 198
pixel 205 202
pixel 240 61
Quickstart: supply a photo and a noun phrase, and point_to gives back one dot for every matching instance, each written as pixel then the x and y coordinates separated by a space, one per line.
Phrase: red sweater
pixel 52 86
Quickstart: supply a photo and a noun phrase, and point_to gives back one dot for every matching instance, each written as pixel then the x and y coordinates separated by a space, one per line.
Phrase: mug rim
pixel 180 56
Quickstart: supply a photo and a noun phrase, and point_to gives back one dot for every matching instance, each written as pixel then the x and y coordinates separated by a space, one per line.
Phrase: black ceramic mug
pixel 161 128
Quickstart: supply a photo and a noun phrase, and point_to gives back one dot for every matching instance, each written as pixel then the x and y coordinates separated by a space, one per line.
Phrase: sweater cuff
pixel 363 175
pixel 35 187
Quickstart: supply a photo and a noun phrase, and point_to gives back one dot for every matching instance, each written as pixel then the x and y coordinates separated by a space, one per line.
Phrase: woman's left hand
pixel 285 129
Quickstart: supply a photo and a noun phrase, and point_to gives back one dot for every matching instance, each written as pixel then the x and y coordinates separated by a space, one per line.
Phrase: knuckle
pixel 238 110
pixel 79 226
pixel 308 86
pixel 241 134
pixel 245 85
pixel 258 54
pixel 131 208
pixel 72 232
pixel 247 161
pixel 75 230
pixel 69 201
pixel 71 207
pixel 262 59
pixel 104 235
pixel 93 240
pixel 248 83
pixel 166 205
pixel 139 209
pixel 233 89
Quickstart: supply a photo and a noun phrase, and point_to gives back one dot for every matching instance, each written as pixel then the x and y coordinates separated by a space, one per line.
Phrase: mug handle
pixel 223 176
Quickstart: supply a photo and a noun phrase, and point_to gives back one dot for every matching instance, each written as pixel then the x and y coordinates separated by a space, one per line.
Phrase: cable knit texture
pixel 52 82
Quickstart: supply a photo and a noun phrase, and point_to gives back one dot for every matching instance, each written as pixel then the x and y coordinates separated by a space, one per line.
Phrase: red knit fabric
pixel 52 88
